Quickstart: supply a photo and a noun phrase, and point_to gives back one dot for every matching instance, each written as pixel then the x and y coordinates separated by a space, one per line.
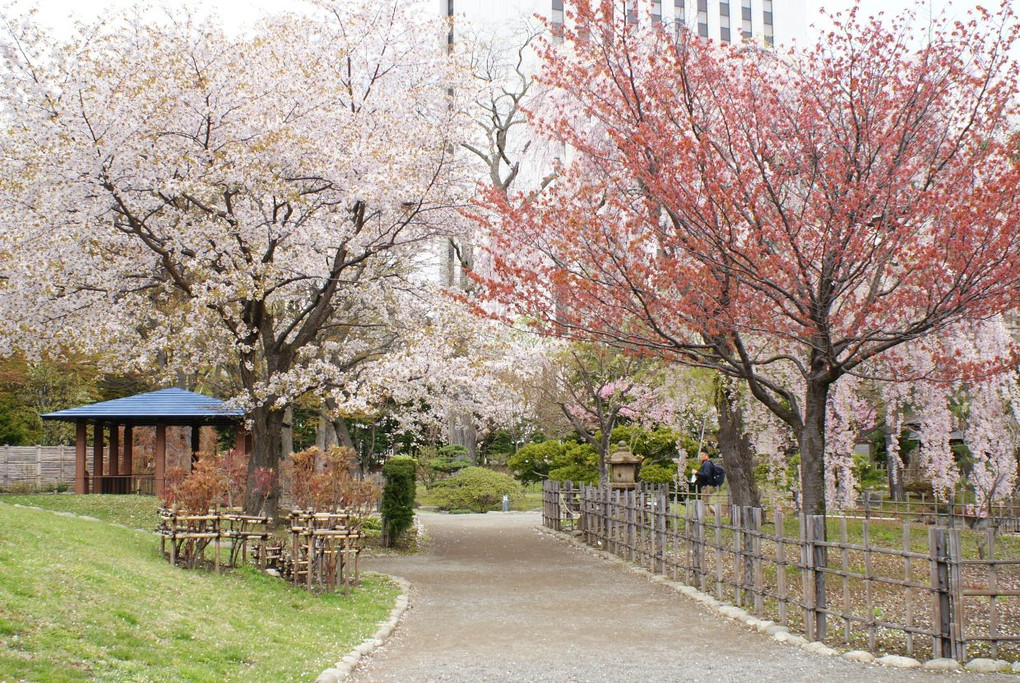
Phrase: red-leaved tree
pixel 781 218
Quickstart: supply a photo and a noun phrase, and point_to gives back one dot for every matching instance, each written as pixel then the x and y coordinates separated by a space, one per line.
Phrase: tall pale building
pixel 768 22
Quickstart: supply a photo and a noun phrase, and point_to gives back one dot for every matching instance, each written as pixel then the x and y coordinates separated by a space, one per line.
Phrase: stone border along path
pixel 497 597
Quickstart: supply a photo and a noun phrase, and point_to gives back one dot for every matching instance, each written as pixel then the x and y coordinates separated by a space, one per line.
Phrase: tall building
pixel 769 22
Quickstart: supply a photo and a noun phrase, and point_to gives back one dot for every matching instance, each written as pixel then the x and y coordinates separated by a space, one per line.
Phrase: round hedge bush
pixel 476 489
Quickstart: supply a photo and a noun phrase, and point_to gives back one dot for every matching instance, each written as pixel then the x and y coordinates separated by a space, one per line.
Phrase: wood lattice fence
pixel 898 586
pixel 35 468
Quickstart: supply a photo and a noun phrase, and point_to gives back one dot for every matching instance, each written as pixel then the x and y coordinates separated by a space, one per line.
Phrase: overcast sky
pixel 238 13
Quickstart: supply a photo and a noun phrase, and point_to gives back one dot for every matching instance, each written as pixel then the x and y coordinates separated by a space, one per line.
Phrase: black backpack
pixel 718 475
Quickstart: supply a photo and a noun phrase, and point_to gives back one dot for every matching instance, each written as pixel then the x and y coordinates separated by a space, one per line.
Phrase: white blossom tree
pixel 169 191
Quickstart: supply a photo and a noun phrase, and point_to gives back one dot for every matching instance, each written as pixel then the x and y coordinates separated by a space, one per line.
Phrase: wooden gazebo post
pixel 160 460
pixel 115 451
pixel 129 465
pixel 81 435
pixel 97 457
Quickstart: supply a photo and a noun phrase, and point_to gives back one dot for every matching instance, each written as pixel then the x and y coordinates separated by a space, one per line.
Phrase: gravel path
pixel 495 598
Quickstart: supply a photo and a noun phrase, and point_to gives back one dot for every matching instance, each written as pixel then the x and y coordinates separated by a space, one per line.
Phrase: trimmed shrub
pixel 398 497
pixel 579 463
pixel 657 473
pixel 476 489
pixel 532 462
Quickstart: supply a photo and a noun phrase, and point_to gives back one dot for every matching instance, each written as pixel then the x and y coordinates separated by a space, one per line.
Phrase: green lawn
pixel 85 600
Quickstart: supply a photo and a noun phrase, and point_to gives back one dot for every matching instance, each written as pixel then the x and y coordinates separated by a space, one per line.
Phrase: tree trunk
pixel 737 455
pixel 267 425
pixel 461 432
pixel 287 433
pixel 325 432
pixel 895 469
pixel 812 448
pixel 343 434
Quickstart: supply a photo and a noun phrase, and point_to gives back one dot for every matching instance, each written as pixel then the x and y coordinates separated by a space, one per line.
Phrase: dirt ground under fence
pixel 496 598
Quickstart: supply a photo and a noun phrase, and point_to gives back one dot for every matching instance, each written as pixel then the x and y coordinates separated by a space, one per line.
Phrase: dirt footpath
pixel 494 598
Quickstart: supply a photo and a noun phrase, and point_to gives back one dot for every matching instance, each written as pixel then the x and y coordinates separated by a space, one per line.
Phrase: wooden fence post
pixel 662 510
pixel 696 527
pixel 816 556
pixel 752 558
pixel 739 576
pixel 947 624
pixel 778 521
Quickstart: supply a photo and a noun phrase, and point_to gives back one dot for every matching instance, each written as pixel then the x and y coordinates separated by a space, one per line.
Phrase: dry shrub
pixel 198 491
pixel 322 481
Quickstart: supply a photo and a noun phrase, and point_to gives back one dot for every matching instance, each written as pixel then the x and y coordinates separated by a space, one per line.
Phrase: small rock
pixel 762 625
pixel 1016 667
pixel 272 572
pixel 328 676
pixel 898 662
pixel 986 666
pixel 774 629
pixel 732 612
pixel 791 638
pixel 819 648
pixel 942 664
pixel 859 656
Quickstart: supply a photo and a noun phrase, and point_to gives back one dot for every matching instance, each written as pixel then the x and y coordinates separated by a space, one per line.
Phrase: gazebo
pixel 159 409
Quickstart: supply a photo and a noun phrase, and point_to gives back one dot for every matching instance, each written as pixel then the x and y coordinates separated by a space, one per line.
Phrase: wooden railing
pixel 903 586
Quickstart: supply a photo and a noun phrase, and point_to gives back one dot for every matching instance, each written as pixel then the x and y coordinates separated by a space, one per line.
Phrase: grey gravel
pixel 496 598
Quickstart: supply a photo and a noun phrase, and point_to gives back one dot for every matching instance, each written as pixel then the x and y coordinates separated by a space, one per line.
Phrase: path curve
pixel 496 598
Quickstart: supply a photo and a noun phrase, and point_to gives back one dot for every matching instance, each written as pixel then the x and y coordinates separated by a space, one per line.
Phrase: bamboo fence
pixel 34 468
pixel 889 585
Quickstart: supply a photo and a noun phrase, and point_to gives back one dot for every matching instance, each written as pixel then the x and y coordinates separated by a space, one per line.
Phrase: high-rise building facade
pixel 768 22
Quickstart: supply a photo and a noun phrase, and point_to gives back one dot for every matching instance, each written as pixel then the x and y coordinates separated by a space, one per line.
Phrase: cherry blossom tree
pixel 171 192
pixel 771 216
pixel 978 403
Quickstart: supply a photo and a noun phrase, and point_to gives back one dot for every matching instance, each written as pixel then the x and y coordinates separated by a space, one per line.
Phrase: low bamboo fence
pixel 322 553
pixel 185 538
pixel 324 550
pixel 888 585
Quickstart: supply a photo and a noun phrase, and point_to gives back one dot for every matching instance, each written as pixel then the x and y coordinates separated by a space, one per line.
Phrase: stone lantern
pixel 623 467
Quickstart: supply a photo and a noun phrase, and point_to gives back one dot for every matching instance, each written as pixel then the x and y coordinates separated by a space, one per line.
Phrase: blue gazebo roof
pixel 166 406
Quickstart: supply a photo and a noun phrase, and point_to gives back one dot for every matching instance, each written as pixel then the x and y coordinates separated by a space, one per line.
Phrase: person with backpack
pixel 709 478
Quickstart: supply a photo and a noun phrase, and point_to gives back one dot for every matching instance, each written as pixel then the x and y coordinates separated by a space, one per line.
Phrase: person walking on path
pixel 708 482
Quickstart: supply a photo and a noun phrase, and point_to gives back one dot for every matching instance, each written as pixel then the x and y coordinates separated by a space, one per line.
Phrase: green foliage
pixel 655 446
pixel 578 463
pixel 532 462
pixel 556 460
pixel 436 465
pixel 398 497
pixel 657 473
pixel 477 489
pixel 28 390
pixel 497 446
pixel 868 476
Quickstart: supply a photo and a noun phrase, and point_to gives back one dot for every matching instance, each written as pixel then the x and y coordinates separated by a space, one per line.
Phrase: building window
pixel 449 34
pixel 724 22
pixel 631 7
pixel 679 20
pixel 768 29
pixel 745 19
pixel 656 11
pixel 557 18
pixel 703 18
